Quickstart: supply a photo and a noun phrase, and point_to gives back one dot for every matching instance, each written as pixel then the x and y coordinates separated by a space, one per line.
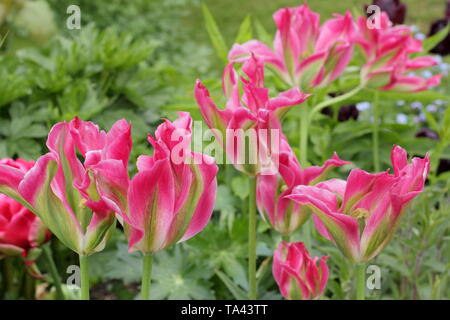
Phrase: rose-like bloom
pixel 21 231
pixel 171 198
pixel 387 53
pixel 395 9
pixel 282 214
pixel 443 47
pixel 298 276
pixel 255 115
pixel 306 54
pixel 61 189
pixel 360 215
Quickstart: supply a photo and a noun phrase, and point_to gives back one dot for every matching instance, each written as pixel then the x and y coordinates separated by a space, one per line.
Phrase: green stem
pixel 84 273
pixel 304 127
pixel 8 274
pixel 146 276
pixel 335 100
pixel 307 230
pixel 54 272
pixel 29 287
pixel 252 239
pixel 285 237
pixel 376 132
pixel 360 281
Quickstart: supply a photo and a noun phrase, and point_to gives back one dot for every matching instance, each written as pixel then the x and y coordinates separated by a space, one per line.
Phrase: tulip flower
pixel 387 53
pixel 395 9
pixel 169 200
pixel 282 214
pixel 255 112
pixel 299 276
pixel 61 190
pixel 256 115
pixel 21 232
pixel 306 54
pixel 360 215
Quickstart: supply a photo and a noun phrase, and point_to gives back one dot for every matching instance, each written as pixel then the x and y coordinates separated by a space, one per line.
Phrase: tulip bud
pixel 387 51
pixel 374 201
pixel 298 276
pixel 171 198
pixel 62 191
pixel 253 115
pixel 283 214
pixel 305 54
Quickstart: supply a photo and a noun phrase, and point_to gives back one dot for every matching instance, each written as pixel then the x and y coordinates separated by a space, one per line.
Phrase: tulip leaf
pixel 214 34
pixel 245 31
pixel 239 185
pixel 237 292
pixel 431 42
pixel 262 33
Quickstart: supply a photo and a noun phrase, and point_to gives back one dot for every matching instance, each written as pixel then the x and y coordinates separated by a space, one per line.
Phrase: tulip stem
pixel 360 281
pixel 335 100
pixel 252 239
pixel 304 127
pixel 53 271
pixel 376 132
pixel 286 238
pixel 146 276
pixel 29 287
pixel 8 276
pixel 84 273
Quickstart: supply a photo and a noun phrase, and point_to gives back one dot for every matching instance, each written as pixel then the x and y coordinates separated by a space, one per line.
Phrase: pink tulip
pixel 306 54
pixel 254 113
pixel 298 276
pixel 374 201
pixel 387 53
pixel 62 190
pixel 283 214
pixel 171 198
pixel 21 232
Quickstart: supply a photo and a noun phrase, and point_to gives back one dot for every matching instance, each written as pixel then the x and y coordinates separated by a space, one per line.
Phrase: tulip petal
pixel 151 201
pixel 37 189
pixel 344 229
pixel 203 208
pixel 314 174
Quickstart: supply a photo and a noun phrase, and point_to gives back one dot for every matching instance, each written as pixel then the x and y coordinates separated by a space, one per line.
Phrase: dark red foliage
pixel 395 9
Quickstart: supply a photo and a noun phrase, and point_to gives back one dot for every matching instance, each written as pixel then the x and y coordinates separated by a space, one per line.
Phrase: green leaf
pixel 431 121
pixel 215 34
pixel 237 292
pixel 261 32
pixel 239 185
pixel 245 31
pixel 431 42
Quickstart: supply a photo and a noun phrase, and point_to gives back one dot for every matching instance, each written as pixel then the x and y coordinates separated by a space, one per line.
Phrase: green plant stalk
pixel 285 237
pixel 84 273
pixel 53 271
pixel 252 293
pixel 360 281
pixel 335 100
pixel 304 134
pixel 146 276
pixel 8 274
pixel 29 287
pixel 376 132
pixel 304 128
